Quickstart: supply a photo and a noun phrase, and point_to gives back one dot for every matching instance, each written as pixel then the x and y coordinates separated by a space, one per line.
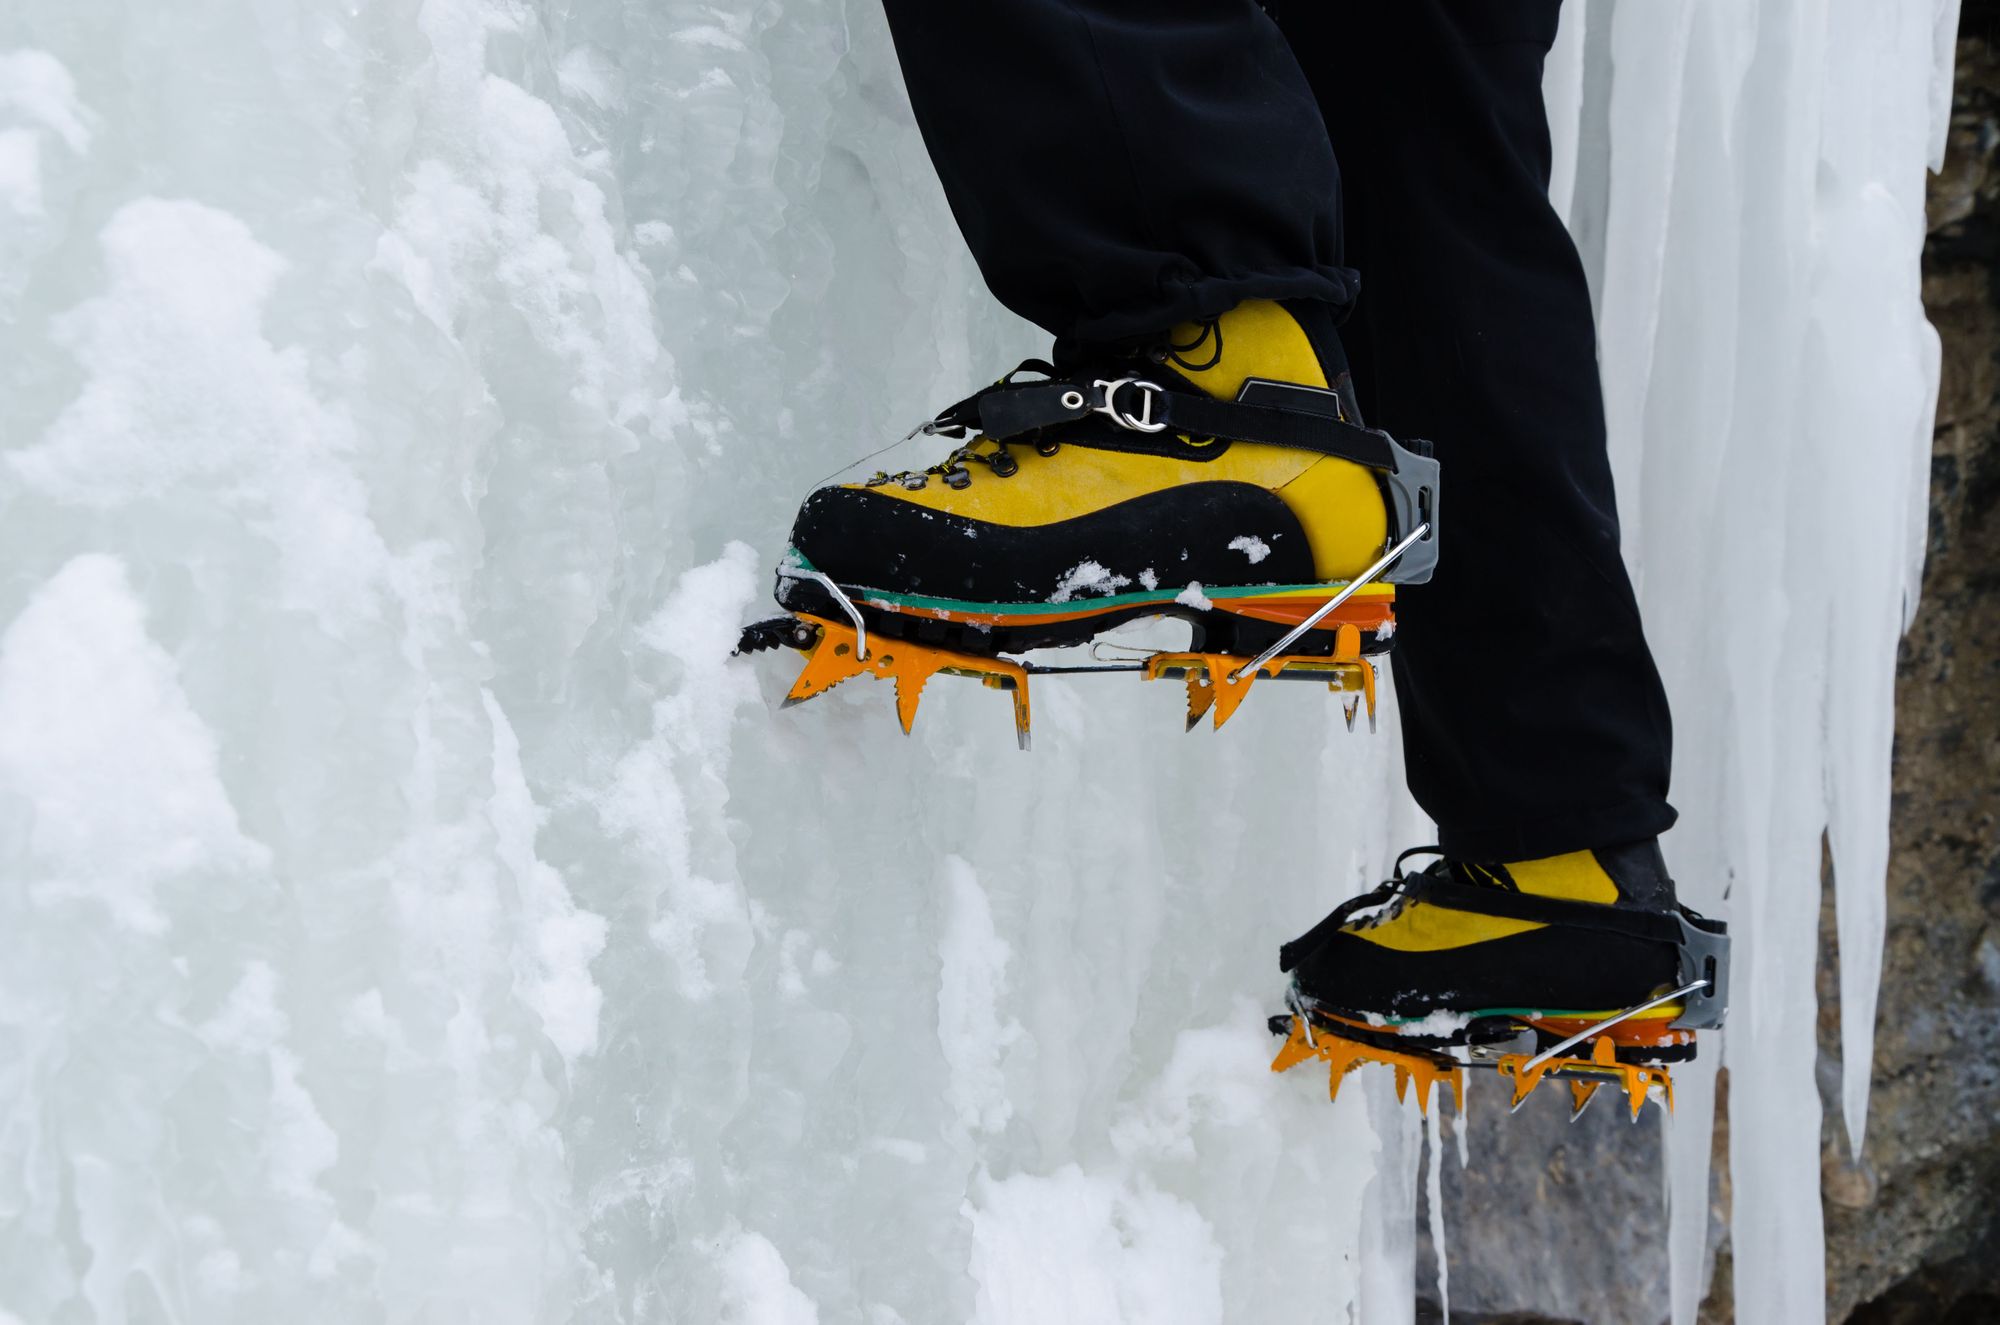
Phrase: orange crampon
pixel 1627 1051
pixel 1217 683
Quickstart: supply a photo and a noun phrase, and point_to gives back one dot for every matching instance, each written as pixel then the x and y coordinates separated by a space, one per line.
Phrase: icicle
pixel 1434 1203
pixel 1462 1129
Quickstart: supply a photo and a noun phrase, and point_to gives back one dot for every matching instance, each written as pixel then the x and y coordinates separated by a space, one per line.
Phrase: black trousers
pixel 1118 166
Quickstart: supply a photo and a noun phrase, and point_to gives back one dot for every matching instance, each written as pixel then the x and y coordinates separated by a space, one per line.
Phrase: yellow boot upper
pixel 1337 502
pixel 1420 927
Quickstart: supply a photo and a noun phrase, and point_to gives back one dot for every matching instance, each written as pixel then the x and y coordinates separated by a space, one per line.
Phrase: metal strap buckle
pixel 1142 421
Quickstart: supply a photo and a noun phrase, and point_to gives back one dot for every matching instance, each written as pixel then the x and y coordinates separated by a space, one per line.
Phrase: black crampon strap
pixel 1010 409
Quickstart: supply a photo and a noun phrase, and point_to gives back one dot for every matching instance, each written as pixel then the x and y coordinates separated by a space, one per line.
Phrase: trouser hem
pixel 1213 296
pixel 1586 830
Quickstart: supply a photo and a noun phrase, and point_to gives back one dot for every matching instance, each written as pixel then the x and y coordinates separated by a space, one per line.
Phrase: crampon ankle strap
pixel 1284 414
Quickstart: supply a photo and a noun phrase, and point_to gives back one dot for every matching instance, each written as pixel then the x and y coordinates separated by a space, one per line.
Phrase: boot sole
pixel 1238 620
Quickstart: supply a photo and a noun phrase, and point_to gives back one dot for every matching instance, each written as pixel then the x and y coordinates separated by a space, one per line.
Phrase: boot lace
pixel 988 451
pixel 993 453
pixel 1393 898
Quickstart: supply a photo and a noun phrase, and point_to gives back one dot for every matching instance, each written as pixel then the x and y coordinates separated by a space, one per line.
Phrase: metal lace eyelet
pixel 1047 448
pixel 876 480
pixel 957 479
pixel 914 482
pixel 1004 465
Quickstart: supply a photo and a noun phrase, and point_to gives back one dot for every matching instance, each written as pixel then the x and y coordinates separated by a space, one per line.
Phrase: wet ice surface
pixel 408 910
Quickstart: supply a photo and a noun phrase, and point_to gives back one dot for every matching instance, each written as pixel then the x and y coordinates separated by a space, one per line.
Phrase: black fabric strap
pixel 1199 416
pixel 1010 410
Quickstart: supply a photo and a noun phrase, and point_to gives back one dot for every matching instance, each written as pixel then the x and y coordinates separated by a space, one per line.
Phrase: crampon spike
pixel 1201 697
pixel 1218 682
pixel 835 655
pixel 1343 1055
pixel 1603 1065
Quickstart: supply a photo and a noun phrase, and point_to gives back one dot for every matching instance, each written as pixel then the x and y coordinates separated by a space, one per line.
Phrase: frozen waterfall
pixel 410 912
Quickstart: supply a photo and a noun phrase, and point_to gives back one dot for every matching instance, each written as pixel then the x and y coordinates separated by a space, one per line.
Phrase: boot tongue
pixel 1257 338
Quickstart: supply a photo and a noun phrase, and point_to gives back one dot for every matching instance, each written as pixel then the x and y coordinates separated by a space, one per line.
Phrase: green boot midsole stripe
pixel 921 603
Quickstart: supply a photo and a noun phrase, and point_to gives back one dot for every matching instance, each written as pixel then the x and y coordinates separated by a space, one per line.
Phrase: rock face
pixel 1554 1223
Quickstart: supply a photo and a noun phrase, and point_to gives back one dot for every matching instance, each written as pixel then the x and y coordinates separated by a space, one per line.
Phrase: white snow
pixel 98 745
pixel 1250 546
pixel 1069 1248
pixel 21 172
pixel 1440 1023
pixel 1192 596
pixel 1087 577
pixel 757 1287
pixel 409 908
pixel 36 88
pixel 971 1034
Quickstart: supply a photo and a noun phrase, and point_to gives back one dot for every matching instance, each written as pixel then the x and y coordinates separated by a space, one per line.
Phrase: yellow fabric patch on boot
pixel 1339 504
pixel 1421 928
pixel 1575 877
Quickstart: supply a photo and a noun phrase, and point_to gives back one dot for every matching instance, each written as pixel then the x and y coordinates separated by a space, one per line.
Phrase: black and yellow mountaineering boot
pixel 1580 965
pixel 1220 476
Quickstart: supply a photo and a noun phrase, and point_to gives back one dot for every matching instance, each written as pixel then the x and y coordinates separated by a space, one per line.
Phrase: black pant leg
pixel 1534 719
pixel 1118 166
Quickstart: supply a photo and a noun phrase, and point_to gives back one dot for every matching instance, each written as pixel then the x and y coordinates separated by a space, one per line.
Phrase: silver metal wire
pixel 1609 1022
pixel 822 579
pixel 1324 609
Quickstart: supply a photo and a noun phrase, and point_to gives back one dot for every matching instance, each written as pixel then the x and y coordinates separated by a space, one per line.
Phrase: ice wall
pixel 409 912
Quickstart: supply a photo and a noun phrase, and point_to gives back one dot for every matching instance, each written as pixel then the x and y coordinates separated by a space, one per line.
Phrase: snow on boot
pixel 1221 476
pixel 1581 967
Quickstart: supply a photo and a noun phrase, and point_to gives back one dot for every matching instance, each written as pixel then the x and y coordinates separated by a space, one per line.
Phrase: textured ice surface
pixel 408 910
